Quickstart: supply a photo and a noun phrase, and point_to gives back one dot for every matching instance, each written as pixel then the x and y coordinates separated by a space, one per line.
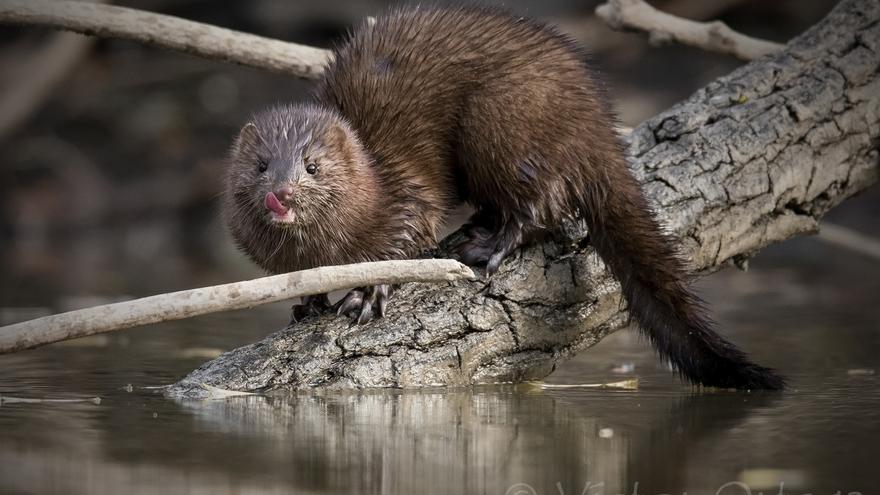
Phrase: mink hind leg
pixel 489 239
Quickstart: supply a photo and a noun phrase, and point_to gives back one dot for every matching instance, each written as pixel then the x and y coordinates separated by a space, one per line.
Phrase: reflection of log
pixel 424 442
pixel 479 442
pixel 754 158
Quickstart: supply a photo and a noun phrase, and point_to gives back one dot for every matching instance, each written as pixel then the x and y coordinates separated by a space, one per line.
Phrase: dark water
pixel 808 309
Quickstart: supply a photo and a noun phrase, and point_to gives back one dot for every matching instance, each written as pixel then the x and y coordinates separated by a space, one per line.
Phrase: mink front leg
pixel 309 306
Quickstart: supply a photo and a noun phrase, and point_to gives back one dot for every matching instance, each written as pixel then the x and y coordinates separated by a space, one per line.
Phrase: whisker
pixel 280 245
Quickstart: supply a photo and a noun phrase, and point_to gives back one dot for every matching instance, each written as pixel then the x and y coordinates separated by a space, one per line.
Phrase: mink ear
pixel 249 136
pixel 337 137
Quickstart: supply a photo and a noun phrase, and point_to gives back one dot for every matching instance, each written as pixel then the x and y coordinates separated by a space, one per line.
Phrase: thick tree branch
pixel 754 158
pixel 662 27
pixel 226 297
pixel 168 32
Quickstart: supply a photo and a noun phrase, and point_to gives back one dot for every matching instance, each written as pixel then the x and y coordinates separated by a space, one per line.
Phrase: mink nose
pixel 284 193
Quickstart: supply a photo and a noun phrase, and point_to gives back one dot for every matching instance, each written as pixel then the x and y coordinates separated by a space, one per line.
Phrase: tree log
pixel 753 158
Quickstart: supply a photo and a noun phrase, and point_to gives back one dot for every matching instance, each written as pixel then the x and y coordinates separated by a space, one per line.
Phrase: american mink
pixel 428 107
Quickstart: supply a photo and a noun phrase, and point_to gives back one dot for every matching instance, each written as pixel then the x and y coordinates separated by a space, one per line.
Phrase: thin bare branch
pixel 226 297
pixel 168 32
pixel 850 239
pixel 662 27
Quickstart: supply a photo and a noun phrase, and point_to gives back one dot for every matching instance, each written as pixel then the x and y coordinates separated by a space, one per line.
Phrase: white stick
pixel 168 32
pixel 714 36
pixel 238 295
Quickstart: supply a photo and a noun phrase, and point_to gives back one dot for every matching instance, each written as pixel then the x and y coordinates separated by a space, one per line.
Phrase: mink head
pixel 294 166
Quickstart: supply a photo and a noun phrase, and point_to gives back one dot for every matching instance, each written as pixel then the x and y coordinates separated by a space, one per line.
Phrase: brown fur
pixel 431 106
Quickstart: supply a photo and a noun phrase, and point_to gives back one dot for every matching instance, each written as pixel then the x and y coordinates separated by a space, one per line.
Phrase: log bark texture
pixel 753 158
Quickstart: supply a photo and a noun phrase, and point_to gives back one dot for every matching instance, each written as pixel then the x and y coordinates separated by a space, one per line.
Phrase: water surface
pixel 820 327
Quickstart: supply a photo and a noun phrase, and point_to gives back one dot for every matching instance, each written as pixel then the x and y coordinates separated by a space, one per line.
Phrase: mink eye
pixel 262 165
pixel 311 168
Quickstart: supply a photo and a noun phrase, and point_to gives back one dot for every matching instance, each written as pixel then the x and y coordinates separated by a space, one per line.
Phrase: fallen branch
pixel 226 297
pixel 662 27
pixel 168 32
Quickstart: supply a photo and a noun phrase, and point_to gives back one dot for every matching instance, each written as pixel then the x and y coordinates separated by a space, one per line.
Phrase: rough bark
pixel 753 158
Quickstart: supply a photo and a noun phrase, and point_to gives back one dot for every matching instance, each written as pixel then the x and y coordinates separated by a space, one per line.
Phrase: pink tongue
pixel 273 204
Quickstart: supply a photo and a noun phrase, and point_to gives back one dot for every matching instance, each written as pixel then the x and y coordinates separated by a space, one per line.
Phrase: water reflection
pixel 482 441
pixel 464 442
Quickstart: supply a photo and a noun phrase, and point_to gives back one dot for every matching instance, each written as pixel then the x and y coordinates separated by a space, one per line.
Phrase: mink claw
pixel 369 303
pixel 352 301
pixel 366 313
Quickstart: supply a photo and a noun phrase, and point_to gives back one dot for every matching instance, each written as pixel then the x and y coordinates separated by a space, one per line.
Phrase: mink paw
pixel 310 306
pixel 365 301
pixel 476 248
pixel 483 247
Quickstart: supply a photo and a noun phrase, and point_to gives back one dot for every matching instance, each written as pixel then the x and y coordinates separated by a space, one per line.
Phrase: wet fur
pixel 433 106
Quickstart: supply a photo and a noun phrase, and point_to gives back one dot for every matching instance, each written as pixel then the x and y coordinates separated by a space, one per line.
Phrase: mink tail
pixel 643 258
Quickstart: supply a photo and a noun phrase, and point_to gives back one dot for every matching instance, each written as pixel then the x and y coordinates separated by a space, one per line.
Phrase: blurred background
pixel 112 152
pixel 111 157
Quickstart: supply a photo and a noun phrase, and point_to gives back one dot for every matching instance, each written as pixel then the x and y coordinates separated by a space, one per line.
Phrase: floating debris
pixel 219 393
pixel 860 372
pixel 154 387
pixel 624 368
pixel 631 384
pixel 200 352
pixel 5 399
